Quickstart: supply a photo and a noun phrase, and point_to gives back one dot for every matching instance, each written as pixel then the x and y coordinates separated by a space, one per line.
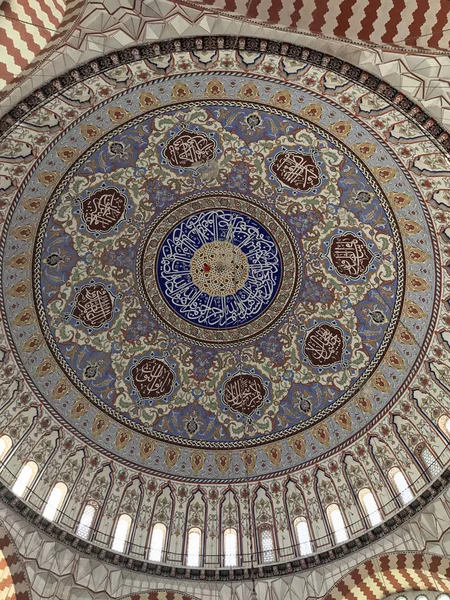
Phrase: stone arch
pixel 12 569
pixel 387 574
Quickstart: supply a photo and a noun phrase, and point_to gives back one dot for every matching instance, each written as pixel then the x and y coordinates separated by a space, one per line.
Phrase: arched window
pixel 401 485
pixel 194 547
pixel 267 544
pixel 25 478
pixel 337 524
pixel 121 533
pixel 84 528
pixel 444 424
pixel 55 501
pixel 303 536
pixel 5 446
pixel 430 462
pixel 370 506
pixel 230 546
pixel 157 542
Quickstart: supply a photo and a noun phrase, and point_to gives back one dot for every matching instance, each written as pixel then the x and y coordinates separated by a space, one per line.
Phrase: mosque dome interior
pixel 225 300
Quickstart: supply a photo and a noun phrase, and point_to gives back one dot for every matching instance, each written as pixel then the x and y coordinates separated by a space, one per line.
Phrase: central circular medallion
pixel 219 268
pixel 223 272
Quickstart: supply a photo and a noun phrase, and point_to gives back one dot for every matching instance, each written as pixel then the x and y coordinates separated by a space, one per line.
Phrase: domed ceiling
pixel 217 249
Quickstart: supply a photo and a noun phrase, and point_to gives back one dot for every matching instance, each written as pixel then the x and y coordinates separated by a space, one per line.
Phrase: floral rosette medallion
pixel 219 276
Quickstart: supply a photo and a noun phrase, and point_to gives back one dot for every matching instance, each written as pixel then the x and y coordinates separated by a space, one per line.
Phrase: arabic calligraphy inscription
pixel 93 305
pixel 244 393
pixel 190 149
pixel 350 255
pixel 152 378
pixel 219 268
pixel 296 170
pixel 103 209
pixel 324 345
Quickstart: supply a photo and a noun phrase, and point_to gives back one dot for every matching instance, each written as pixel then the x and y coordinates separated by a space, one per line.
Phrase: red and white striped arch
pixel 404 23
pixel 390 573
pixel 13 578
pixel 29 29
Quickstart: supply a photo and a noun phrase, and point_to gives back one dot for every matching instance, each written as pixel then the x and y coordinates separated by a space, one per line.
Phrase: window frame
pixel 364 492
pixel 26 488
pixel 261 530
pixel 400 495
pixel 192 530
pixel 444 425
pixel 162 554
pixel 126 539
pixel 337 533
pixel 95 505
pixel 299 544
pixel 224 535
pixel 8 446
pixel 432 465
pixel 54 512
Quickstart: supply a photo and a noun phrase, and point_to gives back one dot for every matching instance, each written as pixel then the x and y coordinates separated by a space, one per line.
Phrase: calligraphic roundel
pixel 152 378
pixel 324 345
pixel 102 210
pixel 297 170
pixel 218 273
pixel 244 393
pixel 93 305
pixel 190 149
pixel 350 255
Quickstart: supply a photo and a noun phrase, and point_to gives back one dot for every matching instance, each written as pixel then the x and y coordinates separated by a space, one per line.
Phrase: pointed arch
pixel 336 520
pixel 391 573
pixel 196 519
pixel 98 490
pixel 13 574
pixel 163 511
pixel 130 504
pixel 296 508
pixel 229 519
pixel 264 521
